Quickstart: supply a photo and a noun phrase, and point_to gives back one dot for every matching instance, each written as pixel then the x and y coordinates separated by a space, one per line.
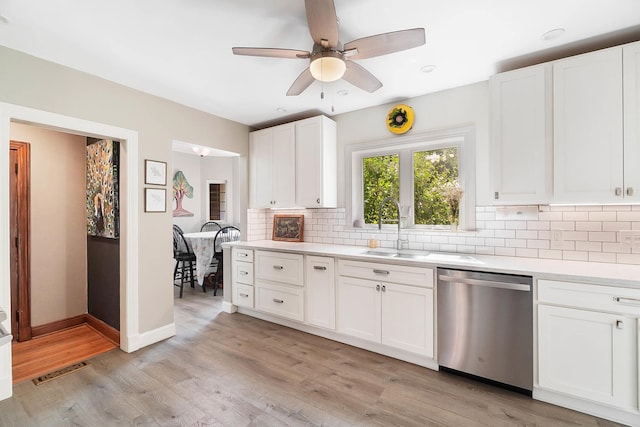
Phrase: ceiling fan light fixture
pixel 327 66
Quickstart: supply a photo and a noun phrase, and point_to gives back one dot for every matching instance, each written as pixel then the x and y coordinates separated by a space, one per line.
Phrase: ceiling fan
pixel 328 60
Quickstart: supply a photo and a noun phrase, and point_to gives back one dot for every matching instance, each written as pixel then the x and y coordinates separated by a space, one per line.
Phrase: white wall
pixel 58 223
pixel 198 170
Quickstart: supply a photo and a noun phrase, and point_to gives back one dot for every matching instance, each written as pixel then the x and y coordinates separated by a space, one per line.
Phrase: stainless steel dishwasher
pixel 485 326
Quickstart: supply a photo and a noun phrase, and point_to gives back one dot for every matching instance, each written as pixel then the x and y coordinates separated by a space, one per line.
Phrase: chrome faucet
pixel 399 243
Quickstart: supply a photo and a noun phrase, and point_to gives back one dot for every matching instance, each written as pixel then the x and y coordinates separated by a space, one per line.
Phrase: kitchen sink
pixel 406 255
pixel 431 256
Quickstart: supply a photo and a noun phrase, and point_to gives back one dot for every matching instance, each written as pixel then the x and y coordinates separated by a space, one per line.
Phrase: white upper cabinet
pixel 294 165
pixel 316 174
pixel 631 75
pixel 272 167
pixel 521 150
pixel 588 127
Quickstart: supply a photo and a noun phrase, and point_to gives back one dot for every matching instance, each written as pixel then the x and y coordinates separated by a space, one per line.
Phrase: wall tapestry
pixel 103 216
pixel 181 188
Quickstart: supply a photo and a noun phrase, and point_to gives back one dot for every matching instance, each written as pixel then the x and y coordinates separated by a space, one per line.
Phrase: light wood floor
pixel 47 353
pixel 233 370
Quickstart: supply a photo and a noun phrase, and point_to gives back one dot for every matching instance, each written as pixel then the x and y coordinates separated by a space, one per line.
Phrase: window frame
pixel 462 138
pixel 208 200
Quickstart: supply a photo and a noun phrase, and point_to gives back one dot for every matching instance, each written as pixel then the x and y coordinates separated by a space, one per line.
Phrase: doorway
pixel 19 193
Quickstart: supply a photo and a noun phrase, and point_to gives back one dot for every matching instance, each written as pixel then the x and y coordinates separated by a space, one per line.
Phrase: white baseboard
pixel 136 342
pixel 588 407
pixel 227 307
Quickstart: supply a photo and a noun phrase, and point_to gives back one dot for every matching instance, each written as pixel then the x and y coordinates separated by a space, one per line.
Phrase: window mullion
pixel 406 185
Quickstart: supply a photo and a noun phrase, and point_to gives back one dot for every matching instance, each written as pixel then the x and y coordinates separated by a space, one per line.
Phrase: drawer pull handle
pixel 278 267
pixel 244 273
pixel 618 191
pixel 279 301
pixel 243 254
pixel 627 301
pixel 319 267
pixel 619 324
pixel 385 272
pixel 244 295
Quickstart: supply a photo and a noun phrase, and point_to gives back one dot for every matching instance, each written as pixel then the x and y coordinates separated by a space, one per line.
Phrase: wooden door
pixel 19 194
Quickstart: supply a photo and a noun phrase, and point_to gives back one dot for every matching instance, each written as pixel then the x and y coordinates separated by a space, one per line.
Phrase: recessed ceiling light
pixel 342 92
pixel 4 19
pixel 281 110
pixel 428 68
pixel 553 34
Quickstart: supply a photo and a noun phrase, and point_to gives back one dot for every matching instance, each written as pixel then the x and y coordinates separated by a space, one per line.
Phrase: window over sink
pixel 423 172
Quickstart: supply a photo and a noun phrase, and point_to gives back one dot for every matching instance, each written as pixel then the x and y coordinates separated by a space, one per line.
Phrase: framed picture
pixel 155 172
pixel 102 189
pixel 155 200
pixel 289 228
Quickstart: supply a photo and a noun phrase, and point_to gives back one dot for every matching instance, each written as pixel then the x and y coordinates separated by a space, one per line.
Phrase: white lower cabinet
pixel 320 291
pixel 280 300
pixel 588 347
pixel 588 354
pixel 393 314
pixel 242 277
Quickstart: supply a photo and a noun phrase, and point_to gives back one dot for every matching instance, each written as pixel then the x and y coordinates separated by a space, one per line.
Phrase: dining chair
pixel 224 235
pixel 185 260
pixel 210 226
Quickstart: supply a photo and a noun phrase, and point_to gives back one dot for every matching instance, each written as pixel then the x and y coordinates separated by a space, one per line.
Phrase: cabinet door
pixel 261 168
pixel 316 174
pixel 321 292
pixel 588 354
pixel 284 168
pixel 359 308
pixel 521 135
pixel 631 75
pixel 587 101
pixel 407 318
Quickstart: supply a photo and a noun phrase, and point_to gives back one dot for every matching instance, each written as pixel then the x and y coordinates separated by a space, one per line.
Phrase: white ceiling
pixel 181 49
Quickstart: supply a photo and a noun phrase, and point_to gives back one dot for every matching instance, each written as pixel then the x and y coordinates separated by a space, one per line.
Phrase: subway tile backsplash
pixel 588 233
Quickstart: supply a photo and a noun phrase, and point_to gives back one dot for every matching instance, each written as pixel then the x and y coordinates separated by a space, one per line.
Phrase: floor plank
pixel 234 370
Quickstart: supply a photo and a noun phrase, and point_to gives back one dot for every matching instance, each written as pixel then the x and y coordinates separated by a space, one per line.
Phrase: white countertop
pixel 586 272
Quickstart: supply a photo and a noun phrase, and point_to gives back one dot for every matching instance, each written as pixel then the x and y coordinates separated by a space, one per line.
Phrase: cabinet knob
pixel 318 200
pixel 496 195
pixel 619 324
pixel 384 288
pixel 618 191
pixel 378 288
pixel 629 191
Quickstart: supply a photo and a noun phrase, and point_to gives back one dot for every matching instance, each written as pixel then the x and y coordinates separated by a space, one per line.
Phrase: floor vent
pixel 60 372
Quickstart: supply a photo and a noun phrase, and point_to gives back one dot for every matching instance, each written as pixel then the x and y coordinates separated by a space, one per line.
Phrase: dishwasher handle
pixel 487 283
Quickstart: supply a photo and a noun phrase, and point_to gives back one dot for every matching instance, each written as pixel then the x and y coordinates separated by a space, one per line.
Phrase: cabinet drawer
pixel 242 255
pixel 595 297
pixel 280 301
pixel 242 295
pixel 417 276
pixel 279 267
pixel 243 272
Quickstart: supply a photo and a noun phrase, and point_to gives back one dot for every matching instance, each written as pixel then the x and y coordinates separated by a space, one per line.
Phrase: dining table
pixel 203 245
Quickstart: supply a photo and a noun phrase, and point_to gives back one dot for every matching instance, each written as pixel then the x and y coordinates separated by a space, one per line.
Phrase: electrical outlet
pixel 557 236
pixel 557 239
pixel 630 239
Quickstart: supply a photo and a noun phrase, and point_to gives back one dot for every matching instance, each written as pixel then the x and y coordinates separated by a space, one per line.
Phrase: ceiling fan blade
pixel 383 44
pixel 323 22
pixel 303 81
pixel 271 52
pixel 358 76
